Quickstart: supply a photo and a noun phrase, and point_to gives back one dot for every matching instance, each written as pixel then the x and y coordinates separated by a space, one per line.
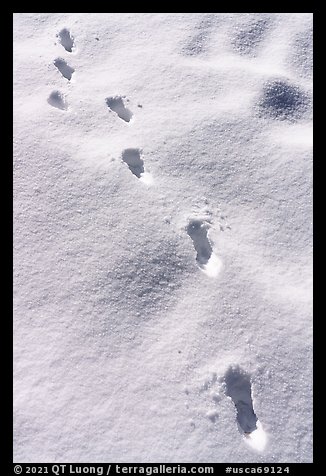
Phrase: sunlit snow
pixel 162 237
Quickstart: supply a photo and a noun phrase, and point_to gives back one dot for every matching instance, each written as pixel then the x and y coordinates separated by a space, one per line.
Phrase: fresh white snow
pixel 163 237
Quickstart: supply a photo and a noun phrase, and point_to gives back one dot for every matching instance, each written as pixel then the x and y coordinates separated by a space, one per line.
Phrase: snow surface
pixel 163 237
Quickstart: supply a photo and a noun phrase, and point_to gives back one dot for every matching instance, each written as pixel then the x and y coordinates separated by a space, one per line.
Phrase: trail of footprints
pixel 279 100
pixel 57 99
pixel 197 228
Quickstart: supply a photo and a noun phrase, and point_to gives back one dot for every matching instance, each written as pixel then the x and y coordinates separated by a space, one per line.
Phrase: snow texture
pixel 163 237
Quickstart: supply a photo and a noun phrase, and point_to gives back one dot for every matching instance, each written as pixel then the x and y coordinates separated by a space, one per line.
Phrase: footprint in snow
pixel 132 158
pixel 57 99
pixel 66 70
pixel 238 387
pixel 116 105
pixel 206 259
pixel 66 39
